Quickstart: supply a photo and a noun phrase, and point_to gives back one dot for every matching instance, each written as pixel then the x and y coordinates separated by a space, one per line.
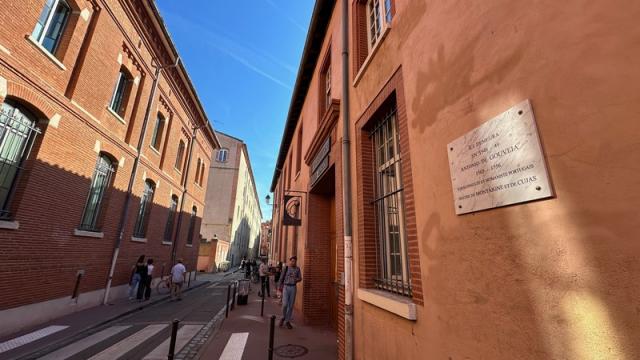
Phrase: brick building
pixel 554 278
pixel 91 90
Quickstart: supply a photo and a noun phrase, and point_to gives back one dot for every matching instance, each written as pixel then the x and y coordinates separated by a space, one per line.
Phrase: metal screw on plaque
pixel 451 149
pixel 538 188
pixel 520 112
pixel 459 206
pixel 172 343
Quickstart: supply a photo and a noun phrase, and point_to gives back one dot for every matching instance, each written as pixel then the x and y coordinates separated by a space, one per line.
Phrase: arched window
pixel 222 155
pixel 168 230
pixel 98 193
pixel 201 178
pixel 158 130
pixel 180 156
pixel 142 220
pixel 17 133
pixel 121 92
pixel 51 23
pixel 198 169
pixel 192 225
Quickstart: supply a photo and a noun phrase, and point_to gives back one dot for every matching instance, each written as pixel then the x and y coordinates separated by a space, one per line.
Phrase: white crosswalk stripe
pixel 78 346
pixel 126 345
pixel 31 337
pixel 235 346
pixel 185 333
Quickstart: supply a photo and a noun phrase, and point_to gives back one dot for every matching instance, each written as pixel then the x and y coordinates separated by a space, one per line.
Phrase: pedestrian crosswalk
pixel 127 341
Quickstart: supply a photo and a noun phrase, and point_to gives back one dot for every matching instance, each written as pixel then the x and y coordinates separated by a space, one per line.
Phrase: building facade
pixel 84 104
pixel 232 216
pixel 552 278
pixel 265 238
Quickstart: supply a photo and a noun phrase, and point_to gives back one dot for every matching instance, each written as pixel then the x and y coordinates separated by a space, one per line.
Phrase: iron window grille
pixel 192 225
pixel 168 230
pixel 18 131
pixel 100 182
pixel 51 24
pixel 140 228
pixel 393 265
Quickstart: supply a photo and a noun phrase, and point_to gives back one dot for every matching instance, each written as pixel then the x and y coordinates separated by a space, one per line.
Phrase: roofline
pixel 320 18
pixel 184 74
pixel 227 135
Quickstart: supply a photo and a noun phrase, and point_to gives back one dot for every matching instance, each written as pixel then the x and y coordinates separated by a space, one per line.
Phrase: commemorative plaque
pixel 499 163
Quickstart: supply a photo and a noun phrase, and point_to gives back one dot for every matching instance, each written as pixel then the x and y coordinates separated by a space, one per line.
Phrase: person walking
pixel 178 272
pixel 264 278
pixel 148 279
pixel 289 280
pixel 137 271
pixel 276 280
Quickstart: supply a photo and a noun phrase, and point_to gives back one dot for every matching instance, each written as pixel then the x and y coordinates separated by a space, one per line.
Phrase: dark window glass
pixel 17 133
pixel 118 101
pixel 140 228
pixel 168 230
pixel 180 156
pixel 192 225
pixel 100 184
pixel 158 130
pixel 51 23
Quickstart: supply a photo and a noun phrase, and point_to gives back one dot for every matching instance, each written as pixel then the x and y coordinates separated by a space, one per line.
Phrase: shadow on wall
pixel 239 246
pixel 44 255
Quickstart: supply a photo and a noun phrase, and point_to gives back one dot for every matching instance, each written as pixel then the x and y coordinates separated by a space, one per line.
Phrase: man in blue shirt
pixel 288 281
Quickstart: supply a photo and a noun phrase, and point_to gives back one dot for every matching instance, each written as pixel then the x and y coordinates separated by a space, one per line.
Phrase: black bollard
pixel 174 333
pixel 189 282
pixel 233 300
pixel 226 311
pixel 272 326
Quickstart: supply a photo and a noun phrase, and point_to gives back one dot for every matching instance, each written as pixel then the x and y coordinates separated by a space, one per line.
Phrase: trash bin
pixel 243 292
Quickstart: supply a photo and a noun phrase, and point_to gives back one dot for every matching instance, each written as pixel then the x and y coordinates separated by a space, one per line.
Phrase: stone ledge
pixel 92 234
pixel 9 225
pixel 398 305
pixel 137 239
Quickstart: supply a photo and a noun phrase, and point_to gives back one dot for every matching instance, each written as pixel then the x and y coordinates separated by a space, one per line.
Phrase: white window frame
pixel 222 155
pixel 45 28
pixel 383 16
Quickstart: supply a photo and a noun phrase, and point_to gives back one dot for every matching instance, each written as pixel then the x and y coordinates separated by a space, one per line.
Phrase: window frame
pixel 180 156
pixel 158 132
pixel 108 170
pixel 224 157
pixel 43 34
pixel 192 225
pixel 170 224
pixel 123 83
pixel 144 210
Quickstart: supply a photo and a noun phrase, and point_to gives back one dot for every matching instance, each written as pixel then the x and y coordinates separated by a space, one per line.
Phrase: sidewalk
pixel 81 321
pixel 318 342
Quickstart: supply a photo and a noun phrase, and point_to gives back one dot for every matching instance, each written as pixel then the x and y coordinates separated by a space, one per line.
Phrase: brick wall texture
pixel 69 92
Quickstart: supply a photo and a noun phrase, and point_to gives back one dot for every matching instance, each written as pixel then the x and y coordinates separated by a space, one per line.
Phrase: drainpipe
pixel 182 198
pixel 346 189
pixel 132 178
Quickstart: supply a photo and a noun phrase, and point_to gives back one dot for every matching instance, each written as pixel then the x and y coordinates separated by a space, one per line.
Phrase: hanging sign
pixel 291 216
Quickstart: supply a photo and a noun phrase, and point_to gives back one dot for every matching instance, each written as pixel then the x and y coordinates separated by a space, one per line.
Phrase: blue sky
pixel 243 59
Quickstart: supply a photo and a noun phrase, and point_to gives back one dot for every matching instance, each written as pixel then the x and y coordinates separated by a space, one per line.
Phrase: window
pixel 180 156
pixel 198 169
pixel 17 134
pixel 327 88
pixel 371 18
pixel 393 267
pixel 142 220
pixel 121 92
pixel 222 155
pixel 192 225
pixel 200 180
pixel 100 183
pixel 168 230
pixel 299 150
pixel 158 130
pixel 51 23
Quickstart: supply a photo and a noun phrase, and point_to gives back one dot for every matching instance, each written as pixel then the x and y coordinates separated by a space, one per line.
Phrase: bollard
pixel 189 282
pixel 272 326
pixel 226 311
pixel 262 305
pixel 172 344
pixel 233 300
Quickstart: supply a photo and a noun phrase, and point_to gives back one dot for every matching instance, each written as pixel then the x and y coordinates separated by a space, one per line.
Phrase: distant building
pixel 265 238
pixel 74 95
pixel 233 212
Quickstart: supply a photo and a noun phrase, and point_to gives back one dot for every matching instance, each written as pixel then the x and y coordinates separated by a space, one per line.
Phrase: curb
pixel 74 337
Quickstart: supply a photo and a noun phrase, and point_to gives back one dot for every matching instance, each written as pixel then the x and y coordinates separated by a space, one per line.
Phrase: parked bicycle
pixel 163 287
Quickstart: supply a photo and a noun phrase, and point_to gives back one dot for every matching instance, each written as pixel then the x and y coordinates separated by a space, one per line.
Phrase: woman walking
pixel 144 289
pixel 137 272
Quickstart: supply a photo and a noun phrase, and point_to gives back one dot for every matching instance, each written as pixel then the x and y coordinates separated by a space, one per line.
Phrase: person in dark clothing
pixel 145 284
pixel 137 271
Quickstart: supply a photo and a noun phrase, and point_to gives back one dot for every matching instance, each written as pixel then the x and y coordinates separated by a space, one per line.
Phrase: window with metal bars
pixel 142 220
pixel 168 230
pixel 393 265
pixel 51 23
pixel 192 225
pixel 18 131
pixel 98 192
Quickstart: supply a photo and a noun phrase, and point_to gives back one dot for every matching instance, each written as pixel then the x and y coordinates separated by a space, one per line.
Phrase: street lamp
pixel 268 199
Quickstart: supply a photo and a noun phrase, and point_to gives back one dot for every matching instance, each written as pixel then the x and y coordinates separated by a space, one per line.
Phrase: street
pixel 144 334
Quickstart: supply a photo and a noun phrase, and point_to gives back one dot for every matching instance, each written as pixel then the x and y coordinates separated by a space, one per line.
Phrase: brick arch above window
pixel 24 95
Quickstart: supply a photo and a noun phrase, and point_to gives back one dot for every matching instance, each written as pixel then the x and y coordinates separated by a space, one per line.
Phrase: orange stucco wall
pixel 551 279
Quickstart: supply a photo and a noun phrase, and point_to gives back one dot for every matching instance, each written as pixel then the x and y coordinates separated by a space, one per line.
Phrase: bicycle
pixel 163 287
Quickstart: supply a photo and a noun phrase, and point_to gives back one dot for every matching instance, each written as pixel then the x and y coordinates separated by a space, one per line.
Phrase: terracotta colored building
pixel 83 104
pixel 554 278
